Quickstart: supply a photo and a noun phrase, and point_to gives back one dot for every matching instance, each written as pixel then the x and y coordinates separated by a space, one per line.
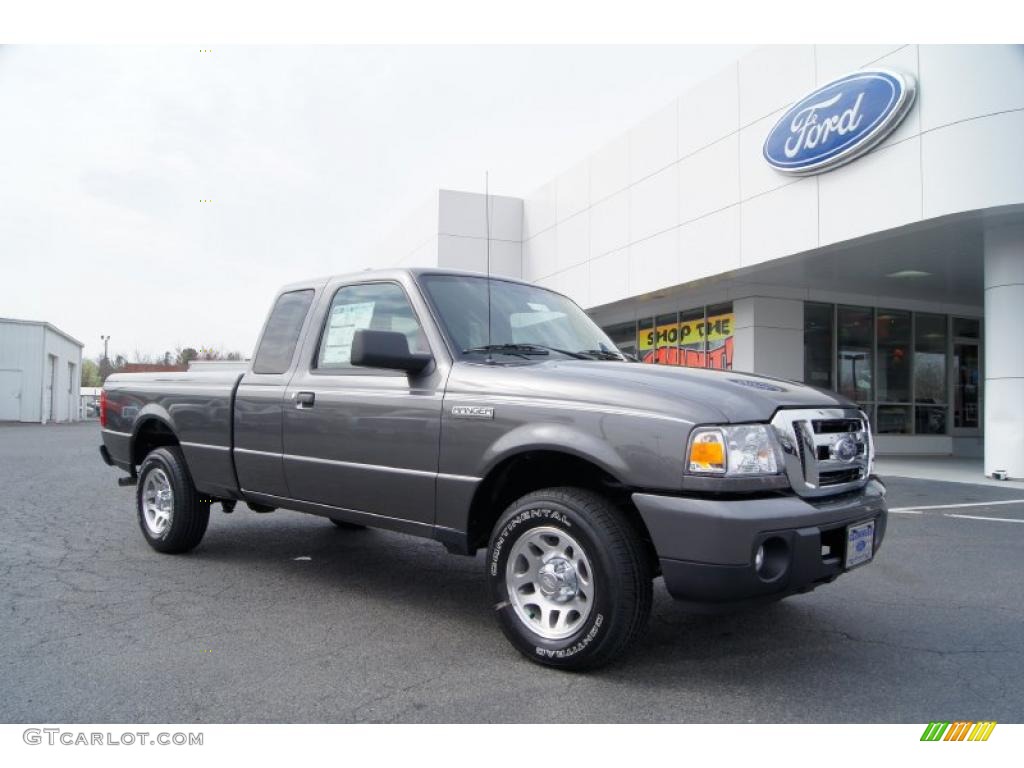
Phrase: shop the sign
pixel 839 122
pixel 684 343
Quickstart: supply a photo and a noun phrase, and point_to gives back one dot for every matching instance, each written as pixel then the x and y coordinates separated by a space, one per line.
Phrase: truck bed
pixel 198 407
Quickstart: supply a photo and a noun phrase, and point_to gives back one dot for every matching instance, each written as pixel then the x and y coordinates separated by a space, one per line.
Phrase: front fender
pixel 550 436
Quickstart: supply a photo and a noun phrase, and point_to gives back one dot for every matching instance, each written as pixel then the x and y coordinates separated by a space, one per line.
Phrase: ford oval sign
pixel 839 121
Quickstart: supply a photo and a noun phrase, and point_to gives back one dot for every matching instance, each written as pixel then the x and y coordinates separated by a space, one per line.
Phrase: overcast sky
pixel 309 155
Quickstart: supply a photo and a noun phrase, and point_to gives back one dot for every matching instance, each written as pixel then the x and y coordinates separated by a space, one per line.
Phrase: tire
pixel 547 552
pixel 172 516
pixel 347 526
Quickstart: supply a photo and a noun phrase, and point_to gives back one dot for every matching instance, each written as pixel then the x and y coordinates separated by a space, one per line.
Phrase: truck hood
pixel 695 394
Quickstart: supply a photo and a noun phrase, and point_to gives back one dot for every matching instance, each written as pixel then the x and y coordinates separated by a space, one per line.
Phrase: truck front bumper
pixel 707 546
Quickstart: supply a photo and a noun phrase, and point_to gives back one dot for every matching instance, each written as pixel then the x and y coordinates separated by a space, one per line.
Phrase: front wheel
pixel 570 577
pixel 172 515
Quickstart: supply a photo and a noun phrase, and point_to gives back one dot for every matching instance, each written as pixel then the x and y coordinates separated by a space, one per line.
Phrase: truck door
pixel 258 402
pixel 364 439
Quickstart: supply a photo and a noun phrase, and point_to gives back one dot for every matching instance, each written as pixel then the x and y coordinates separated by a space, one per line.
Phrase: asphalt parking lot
pixel 375 626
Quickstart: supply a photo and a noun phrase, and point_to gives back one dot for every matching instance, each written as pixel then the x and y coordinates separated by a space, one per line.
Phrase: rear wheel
pixel 172 515
pixel 570 578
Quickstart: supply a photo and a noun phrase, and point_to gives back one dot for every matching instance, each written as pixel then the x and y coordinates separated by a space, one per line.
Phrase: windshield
pixel 525 320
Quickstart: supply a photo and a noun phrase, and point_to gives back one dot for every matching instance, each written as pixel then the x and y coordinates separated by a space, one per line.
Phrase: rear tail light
pixel 103 407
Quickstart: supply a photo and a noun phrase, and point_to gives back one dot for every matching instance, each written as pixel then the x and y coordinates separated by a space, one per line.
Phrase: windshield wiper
pixel 602 354
pixel 524 350
pixel 520 350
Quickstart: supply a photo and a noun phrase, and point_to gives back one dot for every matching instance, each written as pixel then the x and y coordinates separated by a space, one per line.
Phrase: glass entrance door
pixel 966 375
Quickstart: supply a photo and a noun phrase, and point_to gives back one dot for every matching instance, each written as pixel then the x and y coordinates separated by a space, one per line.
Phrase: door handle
pixel 304 399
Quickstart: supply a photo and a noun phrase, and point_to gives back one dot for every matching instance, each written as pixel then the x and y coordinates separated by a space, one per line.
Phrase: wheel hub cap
pixel 550 582
pixel 557 580
pixel 157 502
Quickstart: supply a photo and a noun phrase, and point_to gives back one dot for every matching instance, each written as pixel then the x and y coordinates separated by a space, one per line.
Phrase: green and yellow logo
pixel 958 731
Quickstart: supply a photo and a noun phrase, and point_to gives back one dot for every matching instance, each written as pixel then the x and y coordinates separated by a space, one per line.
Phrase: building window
pixel 695 338
pixel 967 373
pixel 855 337
pixel 623 336
pixel 929 374
pixel 692 343
pixel 818 328
pixel 719 326
pixel 645 339
pixel 896 365
pixel 666 341
pixel 892 366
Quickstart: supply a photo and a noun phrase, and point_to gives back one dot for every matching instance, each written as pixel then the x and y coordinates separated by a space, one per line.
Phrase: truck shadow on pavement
pixel 405 578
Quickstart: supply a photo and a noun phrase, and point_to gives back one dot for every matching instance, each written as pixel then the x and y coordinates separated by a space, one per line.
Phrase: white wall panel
pixel 66 388
pixel 575 283
pixel 572 191
pixel 959 82
pixel 540 210
pixel 773 77
pixel 471 253
pixel 973 164
pixel 756 176
pixel 710 245
pixel 834 61
pixel 464 214
pixel 653 205
pixel 609 169
pixel 609 278
pixel 652 144
pixel 654 263
pixel 878 191
pixel 572 238
pixel 709 111
pixel 709 180
pixel 781 222
pixel 904 60
pixel 779 352
pixel 21 349
pixel 609 224
pixel 1004 307
pixel 539 255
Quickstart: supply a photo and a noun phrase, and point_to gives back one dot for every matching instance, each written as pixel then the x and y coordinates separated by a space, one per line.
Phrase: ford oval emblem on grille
pixel 845 449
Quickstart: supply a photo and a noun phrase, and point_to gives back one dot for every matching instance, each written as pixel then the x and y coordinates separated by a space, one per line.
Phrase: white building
pixel 40 372
pixel 896 278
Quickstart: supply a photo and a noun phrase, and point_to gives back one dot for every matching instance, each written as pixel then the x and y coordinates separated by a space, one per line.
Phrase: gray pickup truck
pixel 494 413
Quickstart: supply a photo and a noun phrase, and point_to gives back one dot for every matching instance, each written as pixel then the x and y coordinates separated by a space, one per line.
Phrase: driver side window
pixel 374 306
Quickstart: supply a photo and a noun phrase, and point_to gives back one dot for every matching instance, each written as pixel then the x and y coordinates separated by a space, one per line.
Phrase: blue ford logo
pixel 839 121
pixel 845 449
pixel 861 545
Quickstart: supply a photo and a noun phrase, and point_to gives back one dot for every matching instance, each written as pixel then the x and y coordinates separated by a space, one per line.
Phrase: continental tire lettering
pixel 515 522
pixel 572 650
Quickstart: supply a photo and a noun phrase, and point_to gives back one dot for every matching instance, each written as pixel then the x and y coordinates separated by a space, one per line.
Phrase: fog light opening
pixel 771 558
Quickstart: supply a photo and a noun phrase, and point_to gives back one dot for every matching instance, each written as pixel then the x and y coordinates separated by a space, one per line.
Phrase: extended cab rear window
pixel 277 347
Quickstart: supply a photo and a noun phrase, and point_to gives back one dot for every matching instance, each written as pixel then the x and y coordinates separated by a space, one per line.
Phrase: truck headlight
pixel 739 450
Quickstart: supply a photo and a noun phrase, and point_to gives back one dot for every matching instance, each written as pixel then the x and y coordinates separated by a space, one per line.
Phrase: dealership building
pixel 847 216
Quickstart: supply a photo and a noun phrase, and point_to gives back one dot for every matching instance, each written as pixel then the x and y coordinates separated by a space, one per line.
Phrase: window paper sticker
pixel 345 320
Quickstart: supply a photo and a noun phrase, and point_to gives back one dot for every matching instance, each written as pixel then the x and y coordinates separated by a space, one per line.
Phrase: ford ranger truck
pixel 494 414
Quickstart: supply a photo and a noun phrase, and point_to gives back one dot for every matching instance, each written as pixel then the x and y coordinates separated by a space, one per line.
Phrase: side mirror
pixel 386 349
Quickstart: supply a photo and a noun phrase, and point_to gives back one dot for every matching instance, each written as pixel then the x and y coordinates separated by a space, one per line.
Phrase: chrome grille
pixel 826 451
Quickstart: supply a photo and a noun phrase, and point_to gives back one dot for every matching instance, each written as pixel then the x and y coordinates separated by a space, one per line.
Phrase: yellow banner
pixel 715 328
